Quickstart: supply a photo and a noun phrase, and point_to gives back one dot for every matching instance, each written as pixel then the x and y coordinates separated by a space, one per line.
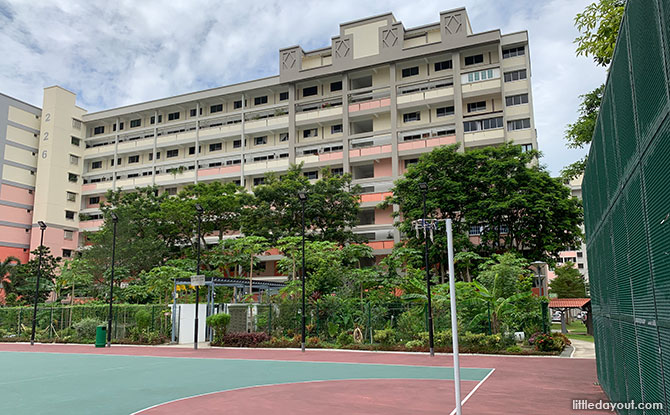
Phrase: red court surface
pixel 519 385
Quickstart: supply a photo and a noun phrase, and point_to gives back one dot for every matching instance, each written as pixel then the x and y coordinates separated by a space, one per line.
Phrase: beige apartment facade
pixel 370 104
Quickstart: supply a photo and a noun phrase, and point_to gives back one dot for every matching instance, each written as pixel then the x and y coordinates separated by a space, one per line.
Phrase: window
pixel 338 171
pixel 366 217
pixel 475 230
pixel 259 141
pixel 173 116
pixel 580 254
pixel 118 162
pixel 283 155
pixel 477 106
pixel 69 215
pixel 172 153
pixel 518 124
pixel 99 130
pixel 94 200
pixel 411 116
pixel 444 65
pixel 283 137
pixel 72 178
pixel 580 266
pixel 94 165
pixel 261 100
pixel 74 160
pixel 171 191
pixel 335 86
pixel 510 53
pixel 158 156
pixel 473 60
pixel 312 175
pixel 215 147
pixel 133 159
pixel 444 111
pixel 312 132
pixel 283 96
pixel 233 162
pixel 309 91
pixel 479 76
pixel 76 124
pixel 409 162
pixel 312 151
pixel 516 100
pixel 487 124
pixel 414 70
pixel 215 108
pixel 75 141
pixel 67 253
pixel 191 150
pixel 152 120
pixel 515 75
pixel 135 123
pixel 336 129
pixel 193 112
pixel 237 104
pixel 259 180
pixel 217 164
pixel 120 127
pixel 526 147
pixel 68 235
pixel 71 196
pixel 362 82
pixel 237 143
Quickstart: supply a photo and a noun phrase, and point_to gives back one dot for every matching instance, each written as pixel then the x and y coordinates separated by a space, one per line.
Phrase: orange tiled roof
pixel 568 302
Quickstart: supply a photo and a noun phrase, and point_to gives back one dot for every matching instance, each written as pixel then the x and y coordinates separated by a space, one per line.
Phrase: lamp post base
pixel 32 343
pixel 432 352
pixel 302 347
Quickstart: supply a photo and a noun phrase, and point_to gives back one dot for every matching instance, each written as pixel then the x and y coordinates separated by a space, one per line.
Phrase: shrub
pixel 282 342
pixel 143 319
pixel 514 349
pixel 411 322
pixel 482 343
pixel 415 344
pixel 387 337
pixel 550 343
pixel 345 339
pixel 219 322
pixel 244 339
pixel 441 339
pixel 85 328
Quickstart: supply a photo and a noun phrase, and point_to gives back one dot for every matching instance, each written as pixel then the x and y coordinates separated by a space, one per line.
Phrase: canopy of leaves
pixel 24 276
pixel 598 26
pixel 569 282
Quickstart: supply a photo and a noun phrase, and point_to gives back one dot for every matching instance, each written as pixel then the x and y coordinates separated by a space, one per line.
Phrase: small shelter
pixel 565 304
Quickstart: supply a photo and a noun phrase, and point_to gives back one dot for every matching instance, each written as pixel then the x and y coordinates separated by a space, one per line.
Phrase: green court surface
pixel 60 383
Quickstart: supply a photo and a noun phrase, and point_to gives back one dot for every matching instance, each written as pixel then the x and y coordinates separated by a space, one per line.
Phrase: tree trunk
pixel 251 292
pixel 71 304
pixel 467 273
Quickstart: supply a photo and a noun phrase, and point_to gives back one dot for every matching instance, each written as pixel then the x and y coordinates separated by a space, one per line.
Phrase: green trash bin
pixel 101 336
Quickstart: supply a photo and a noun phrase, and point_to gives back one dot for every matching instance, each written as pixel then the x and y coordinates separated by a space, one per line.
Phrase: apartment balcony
pixel 265 166
pixel 93 188
pixel 90 225
pixel 133 182
pixel 485 137
pixel 425 92
pixel 369 101
pixel 321 110
pixel 223 171
pixel 372 146
pixel 268 119
pixel 489 86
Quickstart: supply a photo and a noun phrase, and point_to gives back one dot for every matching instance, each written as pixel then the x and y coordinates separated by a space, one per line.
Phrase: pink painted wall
pixel 53 238
pixel 375 197
pixel 330 156
pixel 383 168
pixel 15 215
pixel 218 170
pixel 88 224
pixel 383 216
pixel 380 244
pixel 16 194
pixel 14 235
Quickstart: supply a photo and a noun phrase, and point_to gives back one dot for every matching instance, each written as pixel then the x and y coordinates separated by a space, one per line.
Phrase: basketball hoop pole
pixel 454 322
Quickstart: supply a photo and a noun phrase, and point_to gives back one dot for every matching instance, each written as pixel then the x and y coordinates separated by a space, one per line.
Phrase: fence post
pixel 18 324
pixel 488 306
pixel 370 321
pixel 270 320
pixel 544 308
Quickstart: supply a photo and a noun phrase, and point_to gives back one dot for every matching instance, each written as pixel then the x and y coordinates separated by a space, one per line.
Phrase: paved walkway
pixel 583 349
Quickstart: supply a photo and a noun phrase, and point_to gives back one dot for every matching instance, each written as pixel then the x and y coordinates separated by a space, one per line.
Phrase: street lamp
pixel 540 281
pixel 303 197
pixel 43 227
pixel 115 219
pixel 199 211
pixel 424 188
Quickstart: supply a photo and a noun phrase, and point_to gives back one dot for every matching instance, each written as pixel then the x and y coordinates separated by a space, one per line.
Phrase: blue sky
pixel 119 53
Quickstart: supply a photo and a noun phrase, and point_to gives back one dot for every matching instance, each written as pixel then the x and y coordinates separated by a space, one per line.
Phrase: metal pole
pixel 304 333
pixel 197 288
pixel 174 310
pixel 37 285
pixel 454 320
pixel 425 255
pixel 111 287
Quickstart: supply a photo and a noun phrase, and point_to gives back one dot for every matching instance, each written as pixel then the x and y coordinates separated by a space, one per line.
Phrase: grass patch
pixel 576 330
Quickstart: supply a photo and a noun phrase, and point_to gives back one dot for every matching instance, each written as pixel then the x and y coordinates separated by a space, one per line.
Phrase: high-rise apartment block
pixel 369 104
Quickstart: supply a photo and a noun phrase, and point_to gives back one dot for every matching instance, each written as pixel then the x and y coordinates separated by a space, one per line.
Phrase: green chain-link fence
pixel 626 193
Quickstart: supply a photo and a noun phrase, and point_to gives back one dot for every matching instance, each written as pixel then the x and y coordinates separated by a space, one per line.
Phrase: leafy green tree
pixel 24 277
pixel 250 247
pixel 77 272
pixel 518 205
pixel 569 282
pixel 467 260
pixel 501 274
pixel 6 268
pixel 598 26
pixel 159 281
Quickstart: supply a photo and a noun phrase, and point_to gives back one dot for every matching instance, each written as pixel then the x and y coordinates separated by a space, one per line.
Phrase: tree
pixel 74 273
pixel 501 274
pixel 513 203
pixel 250 247
pixel 569 282
pixel 25 275
pixel 275 211
pixel 6 268
pixel 467 260
pixel 159 281
pixel 599 26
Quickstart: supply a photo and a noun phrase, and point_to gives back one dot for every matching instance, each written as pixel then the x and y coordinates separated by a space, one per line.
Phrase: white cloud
pixel 114 54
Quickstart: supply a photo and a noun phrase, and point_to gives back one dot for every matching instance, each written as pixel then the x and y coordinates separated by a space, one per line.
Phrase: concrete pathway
pixel 583 349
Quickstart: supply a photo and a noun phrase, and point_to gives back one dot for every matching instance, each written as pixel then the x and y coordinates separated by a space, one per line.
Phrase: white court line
pixel 289 383
pixel 473 391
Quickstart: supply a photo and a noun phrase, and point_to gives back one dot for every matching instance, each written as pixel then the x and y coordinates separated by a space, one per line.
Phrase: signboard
pixel 197 280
